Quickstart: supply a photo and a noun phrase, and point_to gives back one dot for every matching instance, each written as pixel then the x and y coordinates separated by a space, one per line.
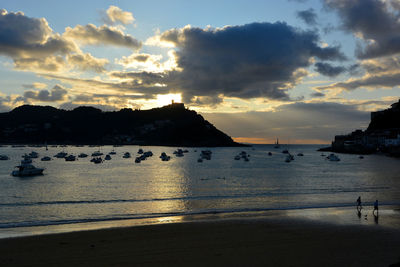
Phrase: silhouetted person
pixel 375 208
pixel 359 207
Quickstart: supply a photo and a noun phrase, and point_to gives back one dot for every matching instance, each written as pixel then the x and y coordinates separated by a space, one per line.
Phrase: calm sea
pixel 81 191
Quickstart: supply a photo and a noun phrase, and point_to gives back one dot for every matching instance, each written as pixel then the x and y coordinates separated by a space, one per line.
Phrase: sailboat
pixel 277 143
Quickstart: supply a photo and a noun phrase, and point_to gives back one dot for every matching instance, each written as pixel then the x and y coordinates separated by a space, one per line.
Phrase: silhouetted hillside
pixel 385 119
pixel 172 125
pixel 382 134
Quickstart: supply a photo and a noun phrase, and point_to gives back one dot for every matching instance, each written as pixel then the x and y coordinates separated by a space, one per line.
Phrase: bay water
pixel 120 189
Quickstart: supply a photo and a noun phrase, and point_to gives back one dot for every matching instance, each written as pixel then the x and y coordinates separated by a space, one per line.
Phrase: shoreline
pixel 389 217
pixel 311 238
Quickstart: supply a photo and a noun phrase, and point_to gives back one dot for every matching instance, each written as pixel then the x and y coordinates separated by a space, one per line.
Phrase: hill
pixel 172 125
pixel 382 134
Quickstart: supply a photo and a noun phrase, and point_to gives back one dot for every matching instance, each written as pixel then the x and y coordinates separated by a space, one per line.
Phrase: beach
pixel 273 240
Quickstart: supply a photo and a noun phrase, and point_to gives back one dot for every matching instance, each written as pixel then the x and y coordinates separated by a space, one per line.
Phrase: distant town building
pixel 383 134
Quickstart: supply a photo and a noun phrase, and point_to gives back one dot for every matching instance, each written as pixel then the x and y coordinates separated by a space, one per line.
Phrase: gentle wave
pixel 188 198
pixel 174 214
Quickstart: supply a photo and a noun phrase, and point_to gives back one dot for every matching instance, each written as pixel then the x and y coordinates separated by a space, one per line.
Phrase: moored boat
pixel 333 157
pixel 70 158
pixel 4 157
pixel 27 170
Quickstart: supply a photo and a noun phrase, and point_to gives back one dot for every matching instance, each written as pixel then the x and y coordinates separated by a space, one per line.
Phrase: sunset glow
pixel 163 100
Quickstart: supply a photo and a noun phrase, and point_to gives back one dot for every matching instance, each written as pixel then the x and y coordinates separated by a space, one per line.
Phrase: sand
pixel 228 242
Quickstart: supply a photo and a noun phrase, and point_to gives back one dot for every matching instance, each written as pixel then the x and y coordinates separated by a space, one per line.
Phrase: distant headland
pixel 171 125
pixel 382 135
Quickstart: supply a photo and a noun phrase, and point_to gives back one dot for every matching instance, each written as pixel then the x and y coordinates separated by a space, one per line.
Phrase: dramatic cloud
pixel 329 70
pixel 115 15
pixel 129 84
pixel 142 62
pixel 87 62
pixel 44 64
pixel 22 36
pixel 308 16
pixel 248 61
pixel 57 93
pixel 103 35
pixel 306 122
pixel 376 22
pixel 31 43
pixel 379 73
pixel 387 80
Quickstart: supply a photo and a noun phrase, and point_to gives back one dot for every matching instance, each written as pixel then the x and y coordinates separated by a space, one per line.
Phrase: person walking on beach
pixel 359 203
pixel 375 208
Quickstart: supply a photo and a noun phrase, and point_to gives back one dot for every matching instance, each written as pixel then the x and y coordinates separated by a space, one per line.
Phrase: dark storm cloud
pixel 308 16
pixel 22 36
pixel 247 61
pixel 329 70
pixel 57 93
pixel 372 20
pixel 293 121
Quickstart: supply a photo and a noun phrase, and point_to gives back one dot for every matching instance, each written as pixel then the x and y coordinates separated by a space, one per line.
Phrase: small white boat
pixel 27 170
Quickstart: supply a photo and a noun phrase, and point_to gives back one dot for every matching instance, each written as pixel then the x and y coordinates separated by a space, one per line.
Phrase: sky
pixel 302 71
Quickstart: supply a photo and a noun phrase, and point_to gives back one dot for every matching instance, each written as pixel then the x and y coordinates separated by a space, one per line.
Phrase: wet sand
pixel 244 241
